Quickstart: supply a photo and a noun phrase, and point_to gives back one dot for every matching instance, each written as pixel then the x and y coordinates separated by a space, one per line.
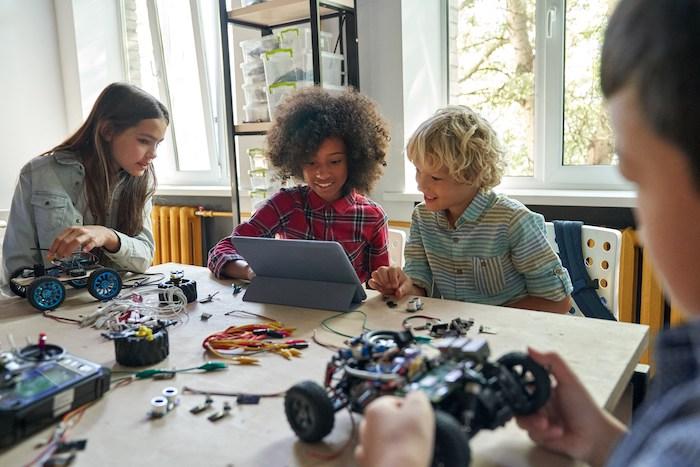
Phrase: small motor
pixel 177 279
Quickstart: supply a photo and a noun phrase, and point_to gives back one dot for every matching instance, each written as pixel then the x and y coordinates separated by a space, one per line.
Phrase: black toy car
pixel 467 391
pixel 44 288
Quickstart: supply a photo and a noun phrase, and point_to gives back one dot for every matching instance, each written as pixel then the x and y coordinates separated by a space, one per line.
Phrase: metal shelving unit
pixel 282 13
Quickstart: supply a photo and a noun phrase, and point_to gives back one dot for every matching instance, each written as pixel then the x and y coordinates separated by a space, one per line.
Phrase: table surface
pixel 118 431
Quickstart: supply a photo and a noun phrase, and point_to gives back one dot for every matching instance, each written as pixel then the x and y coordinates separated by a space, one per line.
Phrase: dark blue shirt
pixel 666 430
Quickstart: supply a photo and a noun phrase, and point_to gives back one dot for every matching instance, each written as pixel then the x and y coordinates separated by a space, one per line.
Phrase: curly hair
pixel 308 117
pixel 459 139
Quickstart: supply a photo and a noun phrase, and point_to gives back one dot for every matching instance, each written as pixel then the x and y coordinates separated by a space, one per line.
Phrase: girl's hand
pixel 397 431
pixel 238 269
pixel 83 238
pixel 571 422
pixel 391 280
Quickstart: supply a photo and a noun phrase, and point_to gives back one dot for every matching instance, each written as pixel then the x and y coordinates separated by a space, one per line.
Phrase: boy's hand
pixel 397 431
pixel 83 238
pixel 571 422
pixel 391 280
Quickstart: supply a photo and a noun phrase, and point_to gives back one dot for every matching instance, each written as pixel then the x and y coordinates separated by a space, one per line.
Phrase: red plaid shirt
pixel 354 221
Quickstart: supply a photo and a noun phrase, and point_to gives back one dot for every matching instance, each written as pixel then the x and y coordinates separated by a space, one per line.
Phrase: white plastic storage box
pixel 258 160
pixel 257 198
pixel 256 112
pixel 245 3
pixel 283 65
pixel 255 93
pixel 299 40
pixel 259 179
pixel 277 92
pixel 331 68
pixel 253 72
pixel 252 48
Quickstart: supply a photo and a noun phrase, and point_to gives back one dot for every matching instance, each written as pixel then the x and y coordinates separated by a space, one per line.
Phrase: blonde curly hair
pixel 459 139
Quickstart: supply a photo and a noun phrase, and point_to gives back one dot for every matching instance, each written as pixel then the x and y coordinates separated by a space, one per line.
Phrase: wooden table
pixel 118 431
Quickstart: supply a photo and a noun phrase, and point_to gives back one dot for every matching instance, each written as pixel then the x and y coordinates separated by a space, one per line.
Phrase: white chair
pixel 601 249
pixel 397 242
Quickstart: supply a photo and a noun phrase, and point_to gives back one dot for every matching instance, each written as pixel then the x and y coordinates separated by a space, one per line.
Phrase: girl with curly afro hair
pixel 336 144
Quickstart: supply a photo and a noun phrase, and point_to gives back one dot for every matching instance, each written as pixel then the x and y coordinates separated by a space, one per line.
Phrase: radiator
pixel 641 297
pixel 178 234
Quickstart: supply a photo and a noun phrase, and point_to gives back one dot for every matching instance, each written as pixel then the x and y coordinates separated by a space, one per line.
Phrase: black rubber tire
pixel 42 302
pixel 78 283
pixel 188 287
pixel 19 290
pixel 309 411
pixel 399 339
pixel 137 351
pixel 451 443
pixel 104 284
pixel 532 377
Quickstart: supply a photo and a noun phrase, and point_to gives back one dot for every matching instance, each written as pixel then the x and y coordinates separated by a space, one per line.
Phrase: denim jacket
pixel 49 198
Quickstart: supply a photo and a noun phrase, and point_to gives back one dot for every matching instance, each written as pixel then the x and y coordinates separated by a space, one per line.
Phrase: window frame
pixel 208 63
pixel 549 169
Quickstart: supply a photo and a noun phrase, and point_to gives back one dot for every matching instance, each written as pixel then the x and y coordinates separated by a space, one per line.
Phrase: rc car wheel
pixel 389 339
pixel 188 287
pixel 532 379
pixel 104 284
pixel 19 290
pixel 79 283
pixel 46 293
pixel 451 443
pixel 309 411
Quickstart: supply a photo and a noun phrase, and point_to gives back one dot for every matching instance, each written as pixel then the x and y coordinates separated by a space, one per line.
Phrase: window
pixel 172 51
pixel 531 67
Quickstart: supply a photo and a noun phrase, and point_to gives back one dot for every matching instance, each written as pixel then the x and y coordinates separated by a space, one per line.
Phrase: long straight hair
pixel 119 107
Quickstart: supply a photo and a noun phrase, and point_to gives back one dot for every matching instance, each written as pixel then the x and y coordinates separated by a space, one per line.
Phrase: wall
pixel 33 116
pixel 400 70
pixel 48 83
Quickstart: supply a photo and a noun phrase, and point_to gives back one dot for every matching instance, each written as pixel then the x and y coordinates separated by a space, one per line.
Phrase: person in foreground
pixel 466 242
pixel 93 191
pixel 336 143
pixel 650 75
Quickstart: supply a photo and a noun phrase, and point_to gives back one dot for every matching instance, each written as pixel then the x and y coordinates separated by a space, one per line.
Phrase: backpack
pixel 568 238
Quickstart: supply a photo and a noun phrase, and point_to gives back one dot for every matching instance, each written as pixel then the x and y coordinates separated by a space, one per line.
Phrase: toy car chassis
pixel 467 391
pixel 44 287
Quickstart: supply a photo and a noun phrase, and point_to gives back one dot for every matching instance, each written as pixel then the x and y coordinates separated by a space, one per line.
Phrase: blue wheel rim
pixel 49 295
pixel 106 285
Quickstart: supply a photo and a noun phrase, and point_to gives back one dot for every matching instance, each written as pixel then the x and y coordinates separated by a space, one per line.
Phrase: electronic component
pixel 203 406
pixel 40 383
pixel 248 399
pixel 414 304
pixel 159 407
pixel 224 412
pixel 209 297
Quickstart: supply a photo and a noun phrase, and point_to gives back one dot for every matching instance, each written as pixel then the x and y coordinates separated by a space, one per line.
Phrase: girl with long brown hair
pixel 93 191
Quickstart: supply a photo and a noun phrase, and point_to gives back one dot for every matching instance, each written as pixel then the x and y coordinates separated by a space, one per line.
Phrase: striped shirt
pixel 354 221
pixel 497 253
pixel 666 429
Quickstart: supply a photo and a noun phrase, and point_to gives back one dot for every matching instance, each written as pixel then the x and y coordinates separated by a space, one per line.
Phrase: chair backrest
pixel 397 242
pixel 601 249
